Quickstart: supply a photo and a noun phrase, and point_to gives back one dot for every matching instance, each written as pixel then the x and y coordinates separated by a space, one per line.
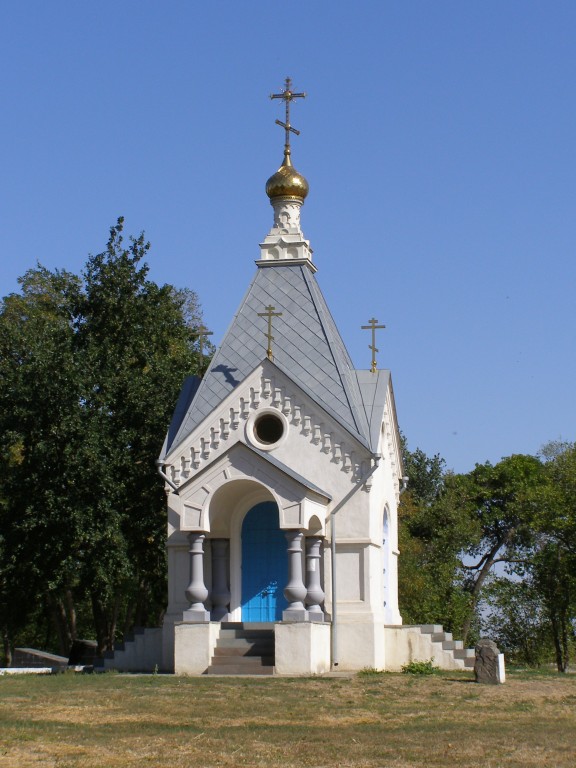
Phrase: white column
pixel 220 591
pixel 295 591
pixel 315 594
pixel 196 591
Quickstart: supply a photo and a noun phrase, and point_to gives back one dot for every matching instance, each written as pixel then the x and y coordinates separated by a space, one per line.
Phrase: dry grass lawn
pixel 396 721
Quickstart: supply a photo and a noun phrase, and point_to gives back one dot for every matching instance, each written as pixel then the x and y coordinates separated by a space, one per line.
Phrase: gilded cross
pixel 373 326
pixel 288 95
pixel 269 313
pixel 202 332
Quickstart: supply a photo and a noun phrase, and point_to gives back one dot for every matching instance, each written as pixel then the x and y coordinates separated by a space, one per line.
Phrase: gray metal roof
pixel 307 347
pixel 373 389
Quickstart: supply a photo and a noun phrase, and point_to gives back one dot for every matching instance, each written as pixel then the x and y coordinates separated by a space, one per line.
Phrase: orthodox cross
pixel 202 332
pixel 269 313
pixel 288 95
pixel 373 326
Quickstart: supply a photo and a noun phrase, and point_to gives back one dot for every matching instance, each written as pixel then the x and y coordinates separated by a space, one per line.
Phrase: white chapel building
pixel 283 475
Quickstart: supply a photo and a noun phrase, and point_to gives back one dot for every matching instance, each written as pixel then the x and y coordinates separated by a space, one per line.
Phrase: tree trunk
pixel 104 624
pixel 113 622
pixel 60 621
pixel 557 643
pixel 99 624
pixel 565 646
pixel 129 617
pixel 71 613
pixel 557 595
pixel 7 647
pixel 479 583
pixel 140 617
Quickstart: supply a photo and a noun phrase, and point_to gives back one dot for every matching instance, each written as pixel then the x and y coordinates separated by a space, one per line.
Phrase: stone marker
pixel 489 665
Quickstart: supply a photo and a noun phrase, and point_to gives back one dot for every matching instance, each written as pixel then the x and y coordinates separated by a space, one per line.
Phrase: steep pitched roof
pixel 373 389
pixel 307 347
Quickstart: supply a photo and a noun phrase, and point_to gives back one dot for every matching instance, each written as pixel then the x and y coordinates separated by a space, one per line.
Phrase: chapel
pixel 285 471
pixel 283 474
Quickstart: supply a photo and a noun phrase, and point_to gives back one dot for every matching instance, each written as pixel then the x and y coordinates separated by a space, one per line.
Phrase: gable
pixel 314 437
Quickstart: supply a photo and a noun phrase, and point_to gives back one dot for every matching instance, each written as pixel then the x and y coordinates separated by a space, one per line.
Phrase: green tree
pixel 515 617
pixel 531 614
pixel 431 537
pixel 91 367
pixel 459 535
pixel 552 573
pixel 455 528
pixel 557 504
pixel 501 502
pixel 425 475
pixel 553 567
pixel 39 424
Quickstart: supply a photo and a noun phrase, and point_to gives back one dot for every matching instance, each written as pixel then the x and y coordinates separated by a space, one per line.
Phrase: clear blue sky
pixel 438 139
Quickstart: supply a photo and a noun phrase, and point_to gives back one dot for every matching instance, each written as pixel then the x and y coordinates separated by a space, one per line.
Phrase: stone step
pixel 245 649
pixel 452 645
pixel 464 653
pixel 264 625
pixel 464 657
pixel 245 634
pixel 238 669
pixel 256 634
pixel 430 629
pixel 244 661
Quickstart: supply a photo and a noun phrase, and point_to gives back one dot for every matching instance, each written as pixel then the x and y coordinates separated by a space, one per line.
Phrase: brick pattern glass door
pixel 264 564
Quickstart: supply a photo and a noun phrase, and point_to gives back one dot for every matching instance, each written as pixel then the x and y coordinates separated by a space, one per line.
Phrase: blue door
pixel 264 564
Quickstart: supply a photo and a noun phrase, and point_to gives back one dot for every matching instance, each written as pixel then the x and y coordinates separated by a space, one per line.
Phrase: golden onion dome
pixel 287 182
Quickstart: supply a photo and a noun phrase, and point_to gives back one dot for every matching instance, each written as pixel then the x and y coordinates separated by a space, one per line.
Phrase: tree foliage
pixel 546 578
pixel 515 618
pixel 431 536
pixel 554 566
pixel 90 367
pixel 500 503
pixel 500 536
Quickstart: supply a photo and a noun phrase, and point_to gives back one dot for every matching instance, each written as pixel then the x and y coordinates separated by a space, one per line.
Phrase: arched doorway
pixel 264 564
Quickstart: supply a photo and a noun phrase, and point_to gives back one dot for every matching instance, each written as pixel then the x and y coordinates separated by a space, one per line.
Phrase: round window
pixel 268 428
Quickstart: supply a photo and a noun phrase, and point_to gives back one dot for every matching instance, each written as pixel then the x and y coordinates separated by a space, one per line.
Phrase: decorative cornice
pixel 389 445
pixel 286 263
pixel 219 433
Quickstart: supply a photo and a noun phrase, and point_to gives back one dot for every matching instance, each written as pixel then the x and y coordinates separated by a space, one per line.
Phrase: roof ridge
pixel 348 378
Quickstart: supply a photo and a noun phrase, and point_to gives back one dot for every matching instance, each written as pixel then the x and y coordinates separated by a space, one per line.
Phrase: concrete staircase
pixel 249 649
pixel 422 642
pixel 442 642
pixel 139 652
pixel 243 650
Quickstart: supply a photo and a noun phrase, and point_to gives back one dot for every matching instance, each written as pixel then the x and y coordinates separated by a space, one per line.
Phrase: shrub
pixel 419 668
